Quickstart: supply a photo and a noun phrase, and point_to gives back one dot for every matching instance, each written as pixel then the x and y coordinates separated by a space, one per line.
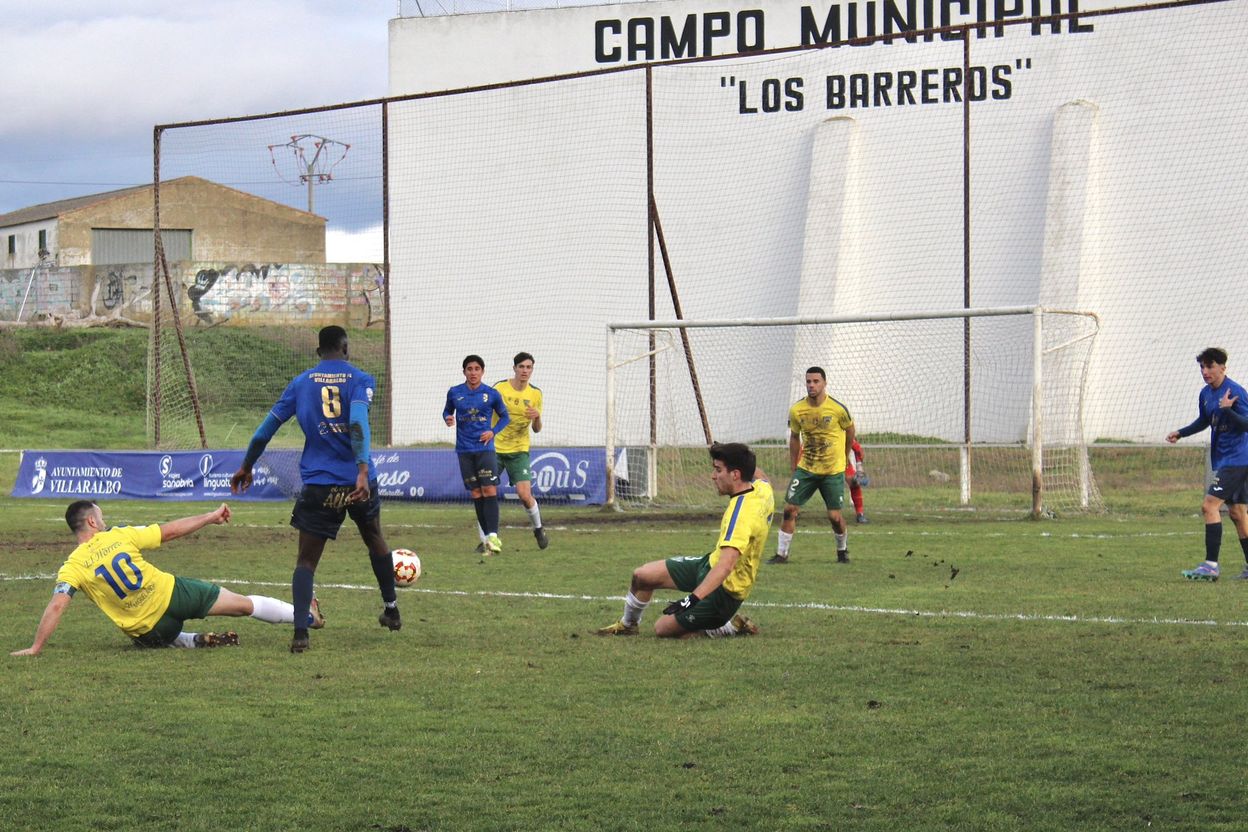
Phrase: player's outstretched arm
pixel 48 623
pixel 1195 427
pixel 188 525
pixel 242 478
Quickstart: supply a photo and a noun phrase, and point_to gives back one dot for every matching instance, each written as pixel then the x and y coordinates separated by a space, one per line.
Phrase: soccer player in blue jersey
pixel 1223 408
pixel 331 403
pixel 470 408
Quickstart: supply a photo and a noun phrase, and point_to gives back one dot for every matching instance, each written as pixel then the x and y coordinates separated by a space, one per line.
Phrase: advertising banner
pixel 575 475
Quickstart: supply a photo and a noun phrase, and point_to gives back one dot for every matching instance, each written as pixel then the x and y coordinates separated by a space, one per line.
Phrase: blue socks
pixel 301 596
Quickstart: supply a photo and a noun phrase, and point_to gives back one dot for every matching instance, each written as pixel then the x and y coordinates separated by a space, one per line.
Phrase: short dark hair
pixel 331 339
pixel 1211 355
pixel 736 456
pixel 523 356
pixel 77 513
pixel 818 370
pixel 471 360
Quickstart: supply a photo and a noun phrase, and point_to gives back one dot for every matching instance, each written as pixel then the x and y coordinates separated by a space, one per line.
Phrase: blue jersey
pixel 1228 445
pixel 474 411
pixel 321 400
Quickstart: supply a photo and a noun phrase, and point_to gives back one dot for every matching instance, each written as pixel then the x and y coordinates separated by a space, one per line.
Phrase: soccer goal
pixel 971 408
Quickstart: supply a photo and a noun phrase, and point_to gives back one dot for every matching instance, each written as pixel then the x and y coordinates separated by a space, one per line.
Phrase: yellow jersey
pixel 111 570
pixel 822 432
pixel 745 526
pixel 515 437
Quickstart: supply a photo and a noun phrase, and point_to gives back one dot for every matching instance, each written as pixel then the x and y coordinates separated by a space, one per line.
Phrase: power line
pixel 92 184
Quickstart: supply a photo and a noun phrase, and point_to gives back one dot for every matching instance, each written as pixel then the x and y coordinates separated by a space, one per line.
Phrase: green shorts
pixel 191 599
pixel 716 609
pixel 805 484
pixel 518 466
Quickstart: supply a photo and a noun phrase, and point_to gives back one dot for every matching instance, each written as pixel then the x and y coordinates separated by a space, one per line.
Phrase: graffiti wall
pixel 27 294
pixel 210 294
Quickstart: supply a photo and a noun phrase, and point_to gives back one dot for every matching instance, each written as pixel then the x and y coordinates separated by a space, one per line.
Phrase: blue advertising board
pixel 575 475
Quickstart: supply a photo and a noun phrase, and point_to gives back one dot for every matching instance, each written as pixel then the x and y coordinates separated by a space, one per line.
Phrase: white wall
pixel 518 216
pixel 26 243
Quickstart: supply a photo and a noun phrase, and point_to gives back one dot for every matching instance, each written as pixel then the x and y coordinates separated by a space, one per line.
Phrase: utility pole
pixel 316 157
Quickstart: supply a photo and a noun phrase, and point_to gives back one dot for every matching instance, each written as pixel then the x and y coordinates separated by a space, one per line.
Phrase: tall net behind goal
pixel 288 218
pixel 980 408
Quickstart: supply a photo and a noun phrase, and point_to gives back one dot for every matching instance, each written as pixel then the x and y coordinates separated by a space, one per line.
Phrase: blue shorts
pixel 478 468
pixel 1230 484
pixel 320 509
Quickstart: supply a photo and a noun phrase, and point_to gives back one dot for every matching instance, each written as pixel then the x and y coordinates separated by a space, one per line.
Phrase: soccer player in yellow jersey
pixel 821 434
pixel 524 402
pixel 147 604
pixel 717 582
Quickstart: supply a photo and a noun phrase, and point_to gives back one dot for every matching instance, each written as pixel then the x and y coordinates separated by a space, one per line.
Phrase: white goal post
pixel 996 393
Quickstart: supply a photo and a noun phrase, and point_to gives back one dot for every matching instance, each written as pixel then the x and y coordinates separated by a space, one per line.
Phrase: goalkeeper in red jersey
pixel 856 476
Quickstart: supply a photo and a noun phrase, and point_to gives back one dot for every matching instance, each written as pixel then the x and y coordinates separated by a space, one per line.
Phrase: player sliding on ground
pixel 1223 409
pixel 147 604
pixel 718 582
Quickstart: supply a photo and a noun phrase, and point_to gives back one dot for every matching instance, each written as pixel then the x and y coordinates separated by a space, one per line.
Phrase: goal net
pixel 977 407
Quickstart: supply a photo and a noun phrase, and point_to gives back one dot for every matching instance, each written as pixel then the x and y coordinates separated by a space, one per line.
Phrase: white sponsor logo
pixel 40 478
pixel 554 470
pixel 205 465
pixel 171 480
pixel 393 479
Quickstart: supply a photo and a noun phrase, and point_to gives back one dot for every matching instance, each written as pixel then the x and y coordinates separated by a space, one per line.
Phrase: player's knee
pixel 638 581
pixel 666 627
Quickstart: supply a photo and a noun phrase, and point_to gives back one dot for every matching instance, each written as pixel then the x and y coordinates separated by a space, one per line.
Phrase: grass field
pixel 1065 677
pixel 970 670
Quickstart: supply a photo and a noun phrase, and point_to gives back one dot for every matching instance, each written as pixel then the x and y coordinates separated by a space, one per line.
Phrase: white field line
pixel 811 605
pixel 960 531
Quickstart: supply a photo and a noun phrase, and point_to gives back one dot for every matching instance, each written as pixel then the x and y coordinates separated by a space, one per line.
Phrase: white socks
pixel 535 516
pixel 782 544
pixel 633 609
pixel 271 610
pixel 184 640
pixel 842 541
pixel 722 632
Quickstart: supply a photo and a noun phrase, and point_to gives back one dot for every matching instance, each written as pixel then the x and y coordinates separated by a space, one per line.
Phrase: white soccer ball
pixel 406 567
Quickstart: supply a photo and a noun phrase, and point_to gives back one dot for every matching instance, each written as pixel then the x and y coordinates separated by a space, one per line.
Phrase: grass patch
pixel 1058 680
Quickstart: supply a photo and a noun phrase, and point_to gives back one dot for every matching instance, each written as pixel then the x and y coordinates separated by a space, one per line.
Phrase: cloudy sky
pixel 83 83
